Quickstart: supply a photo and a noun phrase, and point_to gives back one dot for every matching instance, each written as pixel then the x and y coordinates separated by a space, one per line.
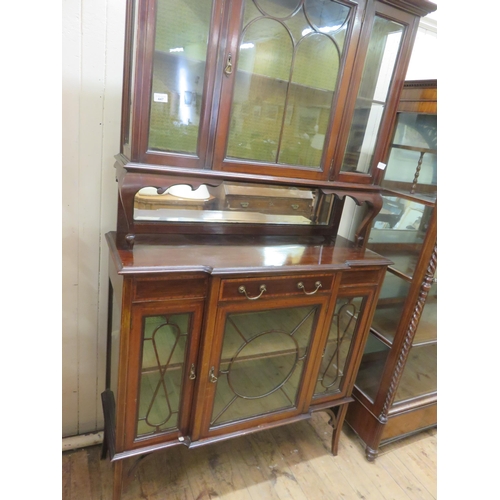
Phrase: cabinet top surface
pixel 238 254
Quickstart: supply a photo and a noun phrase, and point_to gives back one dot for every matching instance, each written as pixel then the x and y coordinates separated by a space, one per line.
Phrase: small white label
pixel 160 97
pixel 381 165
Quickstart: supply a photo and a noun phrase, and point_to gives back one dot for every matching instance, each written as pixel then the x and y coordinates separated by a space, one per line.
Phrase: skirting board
pixel 81 441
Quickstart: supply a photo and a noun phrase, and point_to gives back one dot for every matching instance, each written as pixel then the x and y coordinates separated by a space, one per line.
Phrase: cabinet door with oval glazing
pixel 264 355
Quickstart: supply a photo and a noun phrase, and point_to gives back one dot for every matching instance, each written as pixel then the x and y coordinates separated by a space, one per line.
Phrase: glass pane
pixel 335 355
pixel 287 73
pixel 399 230
pixel 280 8
pixel 420 373
pixel 164 347
pixel 412 164
pixel 379 66
pixel 233 202
pixel 182 28
pixel 372 367
pixel 132 63
pixel 427 325
pixel 116 308
pixel 262 362
pixel 390 305
pixel 260 91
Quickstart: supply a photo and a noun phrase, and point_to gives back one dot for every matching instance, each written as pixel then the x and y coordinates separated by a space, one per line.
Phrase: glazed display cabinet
pixel 396 388
pixel 237 303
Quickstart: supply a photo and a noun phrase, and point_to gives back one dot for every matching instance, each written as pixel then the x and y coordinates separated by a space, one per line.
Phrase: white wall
pixel 93 32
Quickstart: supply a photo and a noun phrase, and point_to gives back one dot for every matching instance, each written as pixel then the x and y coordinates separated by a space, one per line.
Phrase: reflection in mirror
pixel 233 202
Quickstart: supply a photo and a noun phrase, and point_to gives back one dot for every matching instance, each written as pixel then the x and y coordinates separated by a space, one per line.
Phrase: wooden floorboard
pixel 292 462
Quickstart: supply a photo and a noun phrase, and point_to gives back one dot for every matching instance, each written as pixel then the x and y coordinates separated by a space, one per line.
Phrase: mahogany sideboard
pixel 213 336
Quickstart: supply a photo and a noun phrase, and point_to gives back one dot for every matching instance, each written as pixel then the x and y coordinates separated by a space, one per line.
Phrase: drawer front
pixel 359 277
pixel 170 288
pixel 272 286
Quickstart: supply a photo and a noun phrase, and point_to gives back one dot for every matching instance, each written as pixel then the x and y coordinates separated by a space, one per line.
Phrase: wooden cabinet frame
pixel 160 266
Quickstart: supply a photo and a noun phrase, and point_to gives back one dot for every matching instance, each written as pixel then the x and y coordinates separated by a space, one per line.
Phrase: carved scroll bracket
pixel 129 183
pixel 374 202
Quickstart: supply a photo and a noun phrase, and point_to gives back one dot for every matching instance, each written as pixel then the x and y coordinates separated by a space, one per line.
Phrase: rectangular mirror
pixel 233 202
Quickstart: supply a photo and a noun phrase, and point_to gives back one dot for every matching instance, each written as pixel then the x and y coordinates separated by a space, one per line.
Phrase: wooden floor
pixel 290 462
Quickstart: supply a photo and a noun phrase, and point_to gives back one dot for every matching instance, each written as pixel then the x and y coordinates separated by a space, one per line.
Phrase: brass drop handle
pixel 295 206
pixel 244 204
pixel 300 286
pixel 262 289
pixel 192 374
pixel 211 375
pixel 229 65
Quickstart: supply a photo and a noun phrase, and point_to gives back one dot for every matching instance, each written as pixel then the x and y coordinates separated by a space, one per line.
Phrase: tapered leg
pixel 117 479
pixel 337 416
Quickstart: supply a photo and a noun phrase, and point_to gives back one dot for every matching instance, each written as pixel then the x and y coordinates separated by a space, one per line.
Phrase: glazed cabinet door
pixel 345 337
pixel 261 354
pixel 169 80
pixel 284 73
pixel 387 38
pixel 161 370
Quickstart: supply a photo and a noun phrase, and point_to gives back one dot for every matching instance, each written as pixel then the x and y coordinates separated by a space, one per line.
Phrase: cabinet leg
pixel 337 416
pixel 117 479
pixel 371 454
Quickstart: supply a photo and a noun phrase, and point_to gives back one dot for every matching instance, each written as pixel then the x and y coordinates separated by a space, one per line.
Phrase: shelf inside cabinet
pixel 420 374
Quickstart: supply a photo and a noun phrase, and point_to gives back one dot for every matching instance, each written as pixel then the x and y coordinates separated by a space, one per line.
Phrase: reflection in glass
pixel 233 202
pixel 379 66
pixel 336 352
pixel 372 367
pixel 262 362
pixel 286 76
pixel 412 164
pixel 178 74
pixel 164 347
pixel 399 230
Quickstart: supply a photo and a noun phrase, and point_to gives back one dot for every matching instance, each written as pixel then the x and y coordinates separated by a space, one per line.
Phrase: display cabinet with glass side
pixel 396 389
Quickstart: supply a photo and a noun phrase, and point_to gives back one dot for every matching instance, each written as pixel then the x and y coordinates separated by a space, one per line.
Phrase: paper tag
pixel 160 97
pixel 381 165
